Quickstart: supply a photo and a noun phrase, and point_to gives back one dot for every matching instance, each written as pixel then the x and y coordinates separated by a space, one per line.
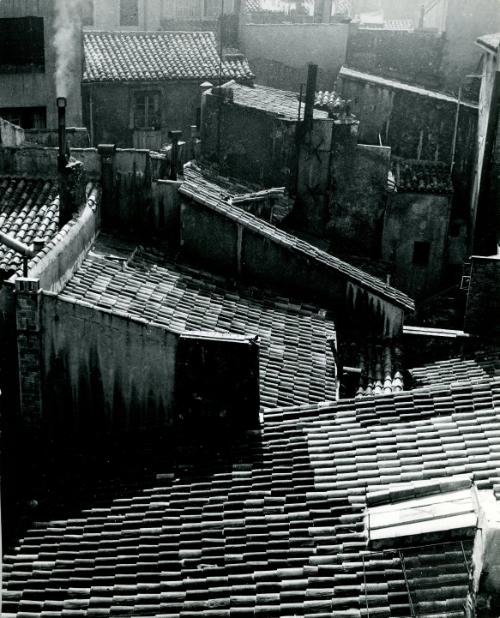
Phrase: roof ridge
pixel 289 413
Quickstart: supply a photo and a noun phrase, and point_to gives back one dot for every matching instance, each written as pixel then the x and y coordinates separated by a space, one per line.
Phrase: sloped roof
pixel 384 82
pixel 245 195
pixel 277 527
pixel 28 210
pixel 206 195
pixel 155 56
pixel 282 103
pixel 480 366
pixel 296 362
pixel 490 41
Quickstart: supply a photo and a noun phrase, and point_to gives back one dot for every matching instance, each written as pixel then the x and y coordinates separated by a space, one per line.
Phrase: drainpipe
pixel 174 136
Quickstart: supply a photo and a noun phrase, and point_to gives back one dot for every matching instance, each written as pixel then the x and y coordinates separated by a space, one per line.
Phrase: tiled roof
pixel 381 368
pixel 479 367
pixel 205 195
pixel 491 41
pixel 296 362
pixel 248 197
pixel 155 56
pixel 275 529
pixel 271 100
pixel 28 210
pixel 421 176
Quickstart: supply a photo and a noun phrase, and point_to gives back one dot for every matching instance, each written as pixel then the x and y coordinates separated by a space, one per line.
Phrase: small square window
pixel 421 253
pixel 147 113
pixel 129 13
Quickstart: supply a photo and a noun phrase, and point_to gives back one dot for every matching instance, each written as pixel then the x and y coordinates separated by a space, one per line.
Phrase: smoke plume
pixel 68 24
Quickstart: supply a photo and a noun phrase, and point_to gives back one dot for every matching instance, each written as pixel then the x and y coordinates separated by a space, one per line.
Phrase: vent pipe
pixel 62 159
pixel 18 247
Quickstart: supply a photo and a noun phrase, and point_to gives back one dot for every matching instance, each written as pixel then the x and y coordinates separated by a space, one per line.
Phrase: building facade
pixel 28 63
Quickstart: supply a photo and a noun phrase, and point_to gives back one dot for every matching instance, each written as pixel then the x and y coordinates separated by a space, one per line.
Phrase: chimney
pixel 62 158
pixel 312 78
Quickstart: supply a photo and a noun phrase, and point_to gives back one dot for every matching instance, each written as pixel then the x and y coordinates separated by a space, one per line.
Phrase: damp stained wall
pixel 102 371
pixel 416 218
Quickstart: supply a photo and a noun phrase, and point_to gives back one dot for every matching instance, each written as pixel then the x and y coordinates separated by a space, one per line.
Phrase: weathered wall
pixel 279 53
pixel 410 218
pixel 107 15
pixel 108 111
pixel 41 161
pixel 58 263
pixel 38 89
pixel 466 21
pixel 75 137
pixel 10 134
pixel 416 126
pixel 484 202
pixel 119 377
pixel 483 298
pixel 249 144
pixel 358 202
pixel 414 57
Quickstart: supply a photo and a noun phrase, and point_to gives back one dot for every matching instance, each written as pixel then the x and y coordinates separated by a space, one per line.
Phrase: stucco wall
pixel 104 372
pixel 10 134
pixel 483 299
pixel 280 52
pixel 410 218
pixel 250 144
pixel 416 127
pixel 109 116
pixel 38 89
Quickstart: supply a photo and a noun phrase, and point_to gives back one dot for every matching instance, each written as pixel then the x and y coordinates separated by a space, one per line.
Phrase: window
pixel 88 13
pixel 421 253
pixel 22 45
pixel 147 114
pixel 25 117
pixel 129 13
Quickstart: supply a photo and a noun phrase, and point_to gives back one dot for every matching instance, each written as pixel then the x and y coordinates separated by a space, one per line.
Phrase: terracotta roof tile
pixel 28 210
pixel 204 194
pixel 271 100
pixel 275 529
pixel 296 362
pixel 480 366
pixel 156 56
pixel 413 176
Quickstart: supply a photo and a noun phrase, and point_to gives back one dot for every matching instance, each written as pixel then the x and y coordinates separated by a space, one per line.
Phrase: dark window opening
pixel 25 117
pixel 129 13
pixel 421 253
pixel 88 13
pixel 22 45
pixel 147 113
